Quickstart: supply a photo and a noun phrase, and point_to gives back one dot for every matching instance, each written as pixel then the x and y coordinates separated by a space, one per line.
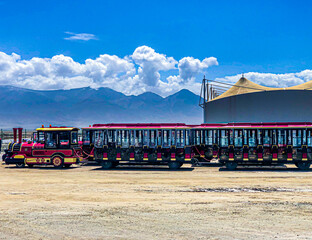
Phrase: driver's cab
pixel 57 137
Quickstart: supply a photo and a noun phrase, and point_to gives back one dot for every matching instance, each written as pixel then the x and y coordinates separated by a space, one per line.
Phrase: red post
pixel 14 134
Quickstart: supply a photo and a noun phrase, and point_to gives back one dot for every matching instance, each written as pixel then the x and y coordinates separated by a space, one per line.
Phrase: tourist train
pixel 172 144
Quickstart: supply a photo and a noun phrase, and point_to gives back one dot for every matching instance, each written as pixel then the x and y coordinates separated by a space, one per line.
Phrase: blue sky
pixel 244 36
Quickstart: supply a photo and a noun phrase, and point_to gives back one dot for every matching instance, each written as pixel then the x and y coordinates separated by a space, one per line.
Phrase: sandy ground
pixel 154 203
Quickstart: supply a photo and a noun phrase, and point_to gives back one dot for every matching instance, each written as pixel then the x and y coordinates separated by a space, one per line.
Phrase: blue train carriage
pixel 256 143
pixel 138 143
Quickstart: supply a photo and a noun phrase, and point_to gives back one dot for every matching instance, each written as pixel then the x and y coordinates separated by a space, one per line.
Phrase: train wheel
pixel 174 165
pixel 231 165
pixel 107 164
pixel 30 165
pixel 303 165
pixel 20 165
pixel 67 165
pixel 58 162
pixel 114 164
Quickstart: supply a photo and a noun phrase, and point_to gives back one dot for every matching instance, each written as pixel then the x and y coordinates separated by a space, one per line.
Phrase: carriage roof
pixel 139 126
pixel 57 129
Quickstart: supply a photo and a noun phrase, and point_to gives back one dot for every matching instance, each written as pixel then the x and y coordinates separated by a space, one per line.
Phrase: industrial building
pixel 246 101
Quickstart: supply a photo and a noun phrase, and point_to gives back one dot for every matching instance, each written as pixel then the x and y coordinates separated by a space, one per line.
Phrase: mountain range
pixel 84 106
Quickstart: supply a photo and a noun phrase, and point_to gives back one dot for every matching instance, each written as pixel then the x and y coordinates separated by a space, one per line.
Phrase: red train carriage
pixel 156 144
pixel 263 143
pixel 56 146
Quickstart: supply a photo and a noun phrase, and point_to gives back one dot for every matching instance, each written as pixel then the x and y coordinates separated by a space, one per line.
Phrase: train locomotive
pixel 57 146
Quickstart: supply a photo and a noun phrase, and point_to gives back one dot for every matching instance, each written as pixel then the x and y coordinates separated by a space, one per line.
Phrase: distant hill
pixel 85 106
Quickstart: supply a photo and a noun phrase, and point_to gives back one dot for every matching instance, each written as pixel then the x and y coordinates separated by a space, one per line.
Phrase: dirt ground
pixel 154 203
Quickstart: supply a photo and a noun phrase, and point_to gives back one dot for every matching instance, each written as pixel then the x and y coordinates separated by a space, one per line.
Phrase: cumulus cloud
pixel 80 36
pixel 189 67
pixel 131 75
pixel 273 80
pixel 150 63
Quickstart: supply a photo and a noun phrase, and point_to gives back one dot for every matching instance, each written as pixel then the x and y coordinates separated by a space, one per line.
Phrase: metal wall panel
pixel 268 106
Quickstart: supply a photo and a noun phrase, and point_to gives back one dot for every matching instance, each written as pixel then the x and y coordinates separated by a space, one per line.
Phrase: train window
pixel 153 139
pixel 274 137
pixel 238 138
pixel 191 137
pixel 224 138
pixel 289 142
pixel 206 136
pixel 98 139
pixel 252 138
pixel 266 138
pixel 138 138
pixel 74 137
pixel 294 138
pixel 63 138
pixel 208 141
pixel 215 137
pixel 132 137
pixel 105 142
pixel 197 137
pixel 304 137
pixel 299 137
pixel 159 137
pixel 187 137
pixel 182 133
pixel 86 137
pixel 51 138
pixel 245 137
pixel 35 137
pixel 125 138
pixel 202 139
pixel 173 137
pixel 178 138
pixel 145 138
pixel 309 138
pixel 111 136
pixel 281 137
pixel 166 138
pixel 41 137
pixel 118 137
pixel 259 135
pixel 231 137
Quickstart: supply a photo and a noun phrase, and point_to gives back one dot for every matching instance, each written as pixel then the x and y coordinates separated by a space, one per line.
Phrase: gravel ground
pixel 154 203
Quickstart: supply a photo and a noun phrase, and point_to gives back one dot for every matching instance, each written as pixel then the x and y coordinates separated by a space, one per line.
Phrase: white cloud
pixel 189 67
pixel 80 36
pixel 135 74
pixel 150 63
pixel 273 80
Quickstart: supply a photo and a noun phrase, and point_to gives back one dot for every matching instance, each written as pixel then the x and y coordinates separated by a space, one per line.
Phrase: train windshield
pixel 63 139
pixel 51 138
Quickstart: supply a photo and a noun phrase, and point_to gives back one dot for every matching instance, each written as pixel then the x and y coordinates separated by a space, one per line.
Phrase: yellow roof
pixel 243 86
pixel 57 129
